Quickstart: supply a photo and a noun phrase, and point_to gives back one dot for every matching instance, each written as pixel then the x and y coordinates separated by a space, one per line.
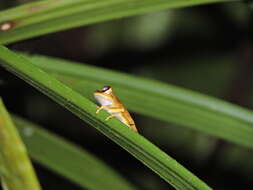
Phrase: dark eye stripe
pixel 106 88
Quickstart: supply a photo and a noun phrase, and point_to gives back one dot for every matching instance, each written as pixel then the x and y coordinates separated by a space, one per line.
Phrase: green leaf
pixel 134 143
pixel 67 159
pixel 43 17
pixel 16 171
pixel 158 100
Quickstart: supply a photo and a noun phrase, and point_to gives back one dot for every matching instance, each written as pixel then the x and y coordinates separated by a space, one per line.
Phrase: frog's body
pixel 113 105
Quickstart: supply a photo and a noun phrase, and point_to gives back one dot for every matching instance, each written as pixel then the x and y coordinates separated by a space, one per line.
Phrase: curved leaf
pixel 43 17
pixel 16 170
pixel 134 143
pixel 68 160
pixel 162 101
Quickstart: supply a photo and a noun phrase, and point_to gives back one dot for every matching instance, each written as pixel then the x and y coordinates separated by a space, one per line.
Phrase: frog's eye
pixel 106 88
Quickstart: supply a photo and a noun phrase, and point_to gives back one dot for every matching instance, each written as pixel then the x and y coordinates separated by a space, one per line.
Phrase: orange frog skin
pixel 110 103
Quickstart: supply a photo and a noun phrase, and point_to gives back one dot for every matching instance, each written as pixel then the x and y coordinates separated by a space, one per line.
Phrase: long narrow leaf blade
pixel 68 160
pixel 137 145
pixel 16 170
pixel 43 17
pixel 162 101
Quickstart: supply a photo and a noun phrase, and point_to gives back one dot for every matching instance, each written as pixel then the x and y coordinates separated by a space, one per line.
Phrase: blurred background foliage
pixel 204 48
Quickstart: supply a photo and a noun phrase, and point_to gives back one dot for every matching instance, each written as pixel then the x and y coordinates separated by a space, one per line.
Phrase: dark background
pixel 205 48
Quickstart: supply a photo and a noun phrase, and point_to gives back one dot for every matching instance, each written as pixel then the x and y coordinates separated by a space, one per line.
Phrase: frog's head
pixel 102 96
pixel 105 90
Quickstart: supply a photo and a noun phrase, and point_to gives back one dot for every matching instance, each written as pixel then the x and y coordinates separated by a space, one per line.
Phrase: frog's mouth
pixel 103 100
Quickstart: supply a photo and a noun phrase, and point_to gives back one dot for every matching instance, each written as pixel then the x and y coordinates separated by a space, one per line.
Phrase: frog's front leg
pixel 110 109
pixel 100 108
